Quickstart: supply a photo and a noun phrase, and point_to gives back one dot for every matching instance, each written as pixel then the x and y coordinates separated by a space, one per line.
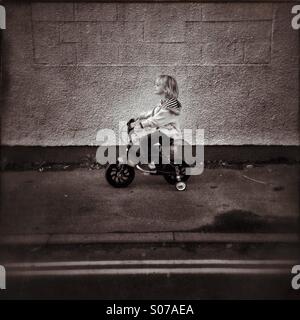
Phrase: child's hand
pixel 133 124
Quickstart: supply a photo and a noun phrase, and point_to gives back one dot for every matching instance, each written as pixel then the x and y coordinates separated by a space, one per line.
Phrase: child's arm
pixel 145 115
pixel 161 118
pixel 142 116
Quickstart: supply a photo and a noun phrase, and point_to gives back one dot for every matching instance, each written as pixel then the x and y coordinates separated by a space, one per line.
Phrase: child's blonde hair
pixel 170 85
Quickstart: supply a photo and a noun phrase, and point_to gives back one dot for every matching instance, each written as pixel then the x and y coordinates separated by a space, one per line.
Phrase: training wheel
pixel 180 186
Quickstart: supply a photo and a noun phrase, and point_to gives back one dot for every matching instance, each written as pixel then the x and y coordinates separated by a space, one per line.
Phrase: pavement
pixel 79 205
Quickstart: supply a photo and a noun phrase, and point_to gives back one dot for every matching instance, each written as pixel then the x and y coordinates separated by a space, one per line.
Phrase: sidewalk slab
pixel 24 239
pixel 161 237
pixel 261 199
pixel 110 237
pixel 236 237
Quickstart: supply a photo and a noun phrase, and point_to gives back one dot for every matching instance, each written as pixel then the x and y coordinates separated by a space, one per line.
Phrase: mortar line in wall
pixel 272 32
pixel 217 21
pixel 143 31
pixel 164 42
pixel 73 10
pixel 118 52
pixel 189 21
pixel 32 37
pixel 154 65
pixel 60 26
pixel 201 14
pixel 118 11
pixel 76 52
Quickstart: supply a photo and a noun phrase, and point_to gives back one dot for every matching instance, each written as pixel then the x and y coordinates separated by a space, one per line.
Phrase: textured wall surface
pixel 71 69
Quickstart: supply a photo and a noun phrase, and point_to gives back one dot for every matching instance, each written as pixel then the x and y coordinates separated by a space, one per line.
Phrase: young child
pixel 162 119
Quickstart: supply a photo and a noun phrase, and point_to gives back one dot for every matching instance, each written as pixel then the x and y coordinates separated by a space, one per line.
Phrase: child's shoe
pixel 147 168
pixel 152 166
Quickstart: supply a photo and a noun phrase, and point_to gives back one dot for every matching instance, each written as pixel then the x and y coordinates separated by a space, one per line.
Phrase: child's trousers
pixel 149 152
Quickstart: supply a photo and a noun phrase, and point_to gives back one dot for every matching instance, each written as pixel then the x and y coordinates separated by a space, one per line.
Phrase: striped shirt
pixel 164 117
pixel 172 105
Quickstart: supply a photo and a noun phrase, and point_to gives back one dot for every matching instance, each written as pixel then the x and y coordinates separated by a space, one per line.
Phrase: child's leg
pixel 148 150
pixel 144 149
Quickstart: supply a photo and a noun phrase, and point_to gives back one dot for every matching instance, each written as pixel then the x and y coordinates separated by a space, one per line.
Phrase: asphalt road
pixel 152 271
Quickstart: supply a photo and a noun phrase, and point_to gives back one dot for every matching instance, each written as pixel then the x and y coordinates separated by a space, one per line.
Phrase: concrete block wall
pixel 72 68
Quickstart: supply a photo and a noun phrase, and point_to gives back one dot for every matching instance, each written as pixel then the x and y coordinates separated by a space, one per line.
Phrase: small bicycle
pixel 121 175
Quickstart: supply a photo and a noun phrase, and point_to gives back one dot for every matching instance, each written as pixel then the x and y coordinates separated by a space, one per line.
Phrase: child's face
pixel 158 87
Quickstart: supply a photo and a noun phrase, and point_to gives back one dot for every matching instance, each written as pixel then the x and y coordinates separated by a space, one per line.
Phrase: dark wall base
pixel 20 156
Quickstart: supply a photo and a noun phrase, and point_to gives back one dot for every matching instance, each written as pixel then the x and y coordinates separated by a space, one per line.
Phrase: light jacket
pixel 164 117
